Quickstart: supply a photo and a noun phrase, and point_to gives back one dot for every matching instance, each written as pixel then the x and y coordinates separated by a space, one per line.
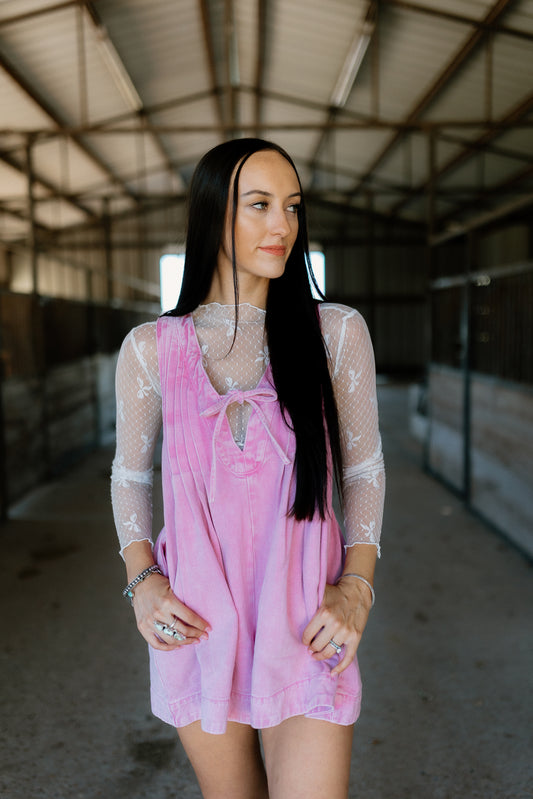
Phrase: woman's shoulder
pixel 142 335
pixel 335 309
pixel 336 319
pixel 141 344
pixel 345 331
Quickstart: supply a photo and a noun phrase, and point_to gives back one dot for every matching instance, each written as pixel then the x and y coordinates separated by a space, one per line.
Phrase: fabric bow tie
pixel 253 397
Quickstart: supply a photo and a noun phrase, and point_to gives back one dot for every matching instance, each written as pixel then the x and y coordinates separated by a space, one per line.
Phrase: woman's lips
pixel 274 250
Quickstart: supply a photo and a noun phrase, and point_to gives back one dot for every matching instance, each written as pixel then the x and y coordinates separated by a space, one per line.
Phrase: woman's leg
pixel 227 766
pixel 307 758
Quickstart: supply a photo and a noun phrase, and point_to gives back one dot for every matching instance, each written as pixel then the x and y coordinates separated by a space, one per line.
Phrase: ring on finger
pixel 175 634
pixel 337 647
pixel 171 626
pixel 167 630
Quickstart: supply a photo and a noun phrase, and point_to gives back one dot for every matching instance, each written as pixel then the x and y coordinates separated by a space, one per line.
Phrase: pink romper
pixel 234 556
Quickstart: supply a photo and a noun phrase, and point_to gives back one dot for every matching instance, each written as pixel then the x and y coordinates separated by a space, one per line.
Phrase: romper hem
pixel 312 698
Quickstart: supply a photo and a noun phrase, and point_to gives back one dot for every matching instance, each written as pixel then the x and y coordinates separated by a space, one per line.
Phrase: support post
pixel 376 67
pixel 3 453
pixel 108 251
pixel 466 366
pixel 39 329
pixel 428 339
pixel 371 268
pixel 32 226
pixel 432 171
pixel 430 223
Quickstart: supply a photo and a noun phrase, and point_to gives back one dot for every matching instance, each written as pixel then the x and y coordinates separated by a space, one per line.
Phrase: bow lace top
pixel 240 368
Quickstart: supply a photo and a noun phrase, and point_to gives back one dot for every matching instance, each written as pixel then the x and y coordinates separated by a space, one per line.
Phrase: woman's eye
pixel 294 208
pixel 260 205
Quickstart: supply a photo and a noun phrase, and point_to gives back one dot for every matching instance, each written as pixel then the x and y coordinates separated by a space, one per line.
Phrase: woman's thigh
pixel 227 766
pixel 308 758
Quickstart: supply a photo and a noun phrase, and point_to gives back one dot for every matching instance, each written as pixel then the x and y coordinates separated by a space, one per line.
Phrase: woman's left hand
pixel 341 617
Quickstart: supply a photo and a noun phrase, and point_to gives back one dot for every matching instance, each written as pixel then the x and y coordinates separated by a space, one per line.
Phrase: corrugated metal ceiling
pixel 118 100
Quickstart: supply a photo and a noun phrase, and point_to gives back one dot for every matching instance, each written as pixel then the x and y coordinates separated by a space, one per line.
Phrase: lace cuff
pixel 134 541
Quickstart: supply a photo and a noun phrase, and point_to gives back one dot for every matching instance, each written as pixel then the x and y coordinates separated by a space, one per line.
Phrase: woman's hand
pixel 154 601
pixel 341 617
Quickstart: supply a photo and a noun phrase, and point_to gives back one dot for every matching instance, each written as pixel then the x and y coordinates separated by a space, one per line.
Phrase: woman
pixel 252 609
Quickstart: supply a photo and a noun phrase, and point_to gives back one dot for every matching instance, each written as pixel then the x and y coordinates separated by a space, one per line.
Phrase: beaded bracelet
pixel 128 593
pixel 365 581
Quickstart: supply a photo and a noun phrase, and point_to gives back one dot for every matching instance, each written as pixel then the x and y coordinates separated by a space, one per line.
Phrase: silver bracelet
pixel 365 581
pixel 128 591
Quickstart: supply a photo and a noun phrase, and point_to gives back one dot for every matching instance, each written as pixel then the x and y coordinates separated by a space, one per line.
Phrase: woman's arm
pixel 138 427
pixel 344 611
pixel 138 423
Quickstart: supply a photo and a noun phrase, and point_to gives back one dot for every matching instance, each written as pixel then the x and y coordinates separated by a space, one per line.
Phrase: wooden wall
pixel 498 479
pixel 57 398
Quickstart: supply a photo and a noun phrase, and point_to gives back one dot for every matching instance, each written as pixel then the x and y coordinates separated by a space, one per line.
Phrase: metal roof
pixel 109 105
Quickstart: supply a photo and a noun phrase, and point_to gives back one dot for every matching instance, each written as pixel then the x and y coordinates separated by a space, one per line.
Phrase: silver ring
pixel 174 634
pixel 171 626
pixel 167 630
pixel 337 647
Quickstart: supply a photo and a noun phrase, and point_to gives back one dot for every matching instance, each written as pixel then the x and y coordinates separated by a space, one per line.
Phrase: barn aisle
pixel 446 658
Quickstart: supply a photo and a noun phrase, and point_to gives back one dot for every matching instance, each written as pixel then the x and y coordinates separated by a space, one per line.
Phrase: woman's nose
pixel 278 222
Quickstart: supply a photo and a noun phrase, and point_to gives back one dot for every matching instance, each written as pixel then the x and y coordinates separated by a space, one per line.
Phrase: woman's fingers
pixel 163 620
pixel 164 637
pixel 312 629
pixel 188 619
pixel 322 647
pixel 169 637
pixel 339 620
pixel 349 652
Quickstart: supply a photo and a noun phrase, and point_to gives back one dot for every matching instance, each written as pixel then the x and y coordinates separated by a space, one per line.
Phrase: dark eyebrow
pixel 268 194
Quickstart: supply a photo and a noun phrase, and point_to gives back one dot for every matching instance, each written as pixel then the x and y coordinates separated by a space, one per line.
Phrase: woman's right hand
pixel 154 601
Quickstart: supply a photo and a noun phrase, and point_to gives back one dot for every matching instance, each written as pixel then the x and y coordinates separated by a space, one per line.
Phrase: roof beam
pixel 216 90
pixel 148 110
pixel 55 193
pixel 401 127
pixel 319 198
pixel 260 62
pixel 457 60
pixel 510 119
pixel 4 209
pixel 515 206
pixel 32 93
pixel 509 185
pixel 37 12
pixel 449 194
pixel 441 13
pixel 232 65
pixel 495 149
pixel 141 112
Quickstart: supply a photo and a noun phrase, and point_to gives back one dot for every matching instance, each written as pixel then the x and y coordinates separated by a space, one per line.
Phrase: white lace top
pixel 139 420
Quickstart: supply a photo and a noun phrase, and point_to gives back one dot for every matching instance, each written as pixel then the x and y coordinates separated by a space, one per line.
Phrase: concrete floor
pixel 447 658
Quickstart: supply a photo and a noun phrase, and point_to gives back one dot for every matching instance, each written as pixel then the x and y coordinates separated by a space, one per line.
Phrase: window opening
pixel 171 276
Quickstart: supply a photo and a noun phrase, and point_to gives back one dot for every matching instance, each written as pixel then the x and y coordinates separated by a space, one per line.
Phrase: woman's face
pixel 266 224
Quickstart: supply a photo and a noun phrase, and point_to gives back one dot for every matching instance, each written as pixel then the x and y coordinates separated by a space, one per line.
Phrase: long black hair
pixel 297 350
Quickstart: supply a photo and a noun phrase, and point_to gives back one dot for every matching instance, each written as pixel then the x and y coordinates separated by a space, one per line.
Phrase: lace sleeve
pixel 138 395
pixel 354 383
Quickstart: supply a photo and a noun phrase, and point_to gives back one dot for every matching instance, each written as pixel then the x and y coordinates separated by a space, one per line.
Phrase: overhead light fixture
pixel 118 71
pixel 233 56
pixel 353 61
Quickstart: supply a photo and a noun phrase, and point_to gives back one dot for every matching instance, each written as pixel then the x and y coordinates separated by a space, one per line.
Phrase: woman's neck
pixel 254 291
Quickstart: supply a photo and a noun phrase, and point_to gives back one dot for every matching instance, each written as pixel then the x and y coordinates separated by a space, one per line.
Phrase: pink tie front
pixel 220 407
